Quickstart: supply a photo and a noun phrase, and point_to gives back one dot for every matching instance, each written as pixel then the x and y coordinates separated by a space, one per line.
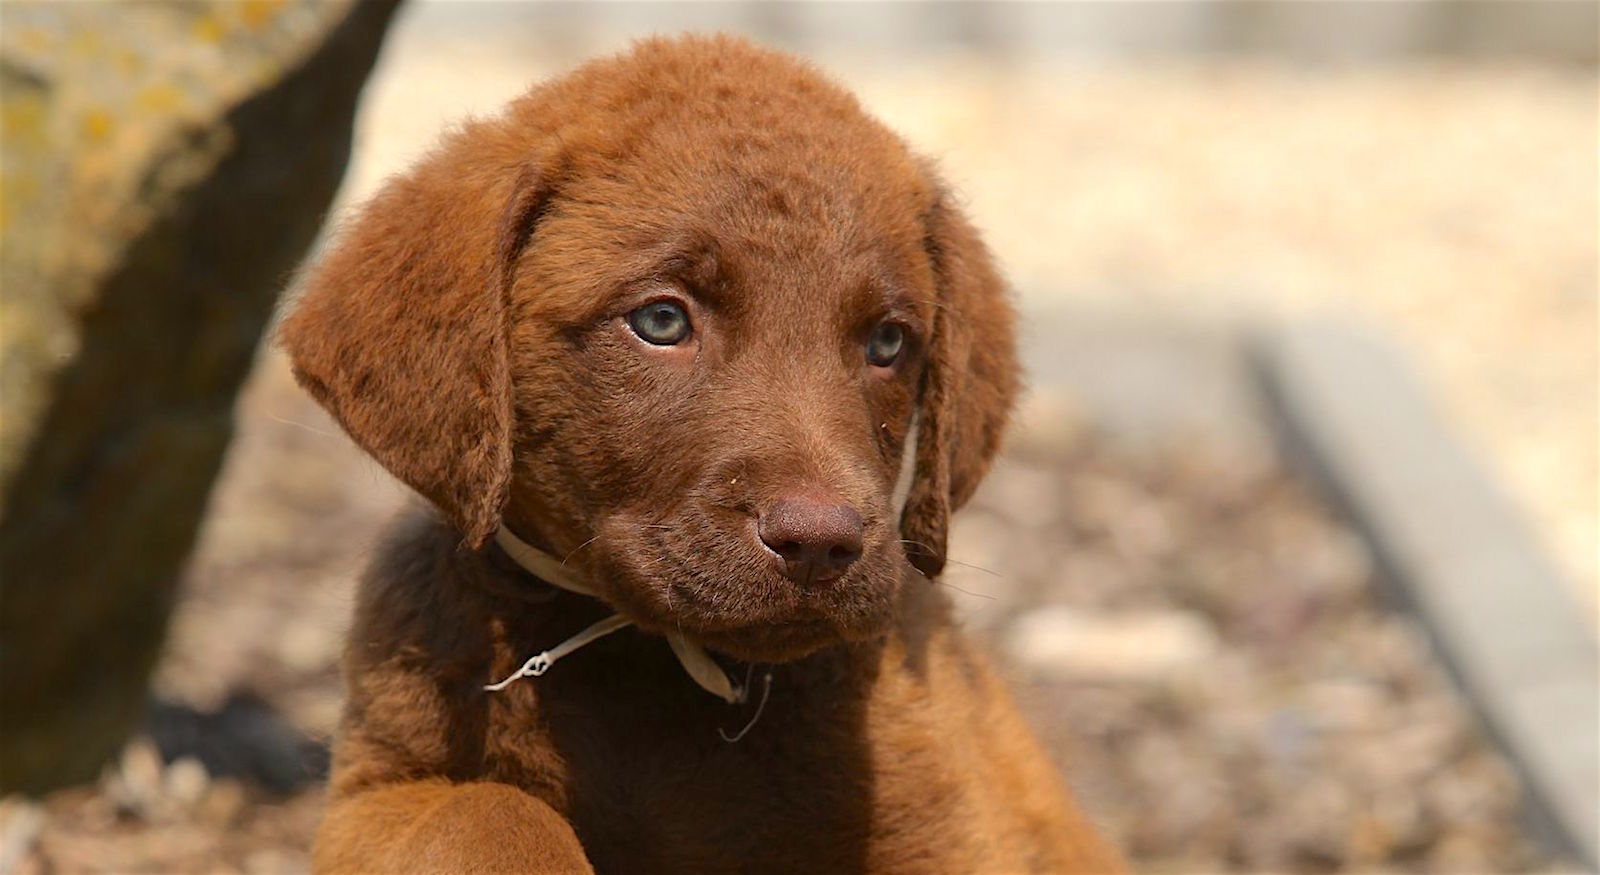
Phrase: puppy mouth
pixel 779 634
pixel 733 602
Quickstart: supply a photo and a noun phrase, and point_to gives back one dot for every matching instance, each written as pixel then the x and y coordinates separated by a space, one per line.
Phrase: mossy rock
pixel 163 167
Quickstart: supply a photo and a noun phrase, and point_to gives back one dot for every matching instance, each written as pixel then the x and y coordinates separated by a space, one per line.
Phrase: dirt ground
pixel 1199 642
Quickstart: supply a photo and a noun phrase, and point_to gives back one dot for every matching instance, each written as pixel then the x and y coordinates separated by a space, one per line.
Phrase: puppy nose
pixel 815 539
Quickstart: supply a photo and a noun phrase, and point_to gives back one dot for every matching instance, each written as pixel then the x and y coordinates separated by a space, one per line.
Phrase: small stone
pixel 309 643
pixel 1059 641
pixel 1337 563
pixel 276 861
pixel 1144 530
pixel 136 783
pixel 187 782
pixel 1343 705
pixel 20 821
pixel 1460 852
pixel 222 805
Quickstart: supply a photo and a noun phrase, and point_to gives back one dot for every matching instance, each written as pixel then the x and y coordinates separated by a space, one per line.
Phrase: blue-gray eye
pixel 662 323
pixel 885 344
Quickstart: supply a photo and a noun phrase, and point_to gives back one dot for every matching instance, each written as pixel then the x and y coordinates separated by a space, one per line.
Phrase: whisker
pixel 989 571
pixel 976 595
pixel 949 561
pixel 326 434
pixel 579 547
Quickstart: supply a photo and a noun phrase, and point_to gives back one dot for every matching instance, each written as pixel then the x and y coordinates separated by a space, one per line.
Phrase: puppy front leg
pixel 438 827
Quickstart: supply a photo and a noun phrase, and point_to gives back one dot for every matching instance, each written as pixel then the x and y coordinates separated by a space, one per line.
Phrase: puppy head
pixel 673 317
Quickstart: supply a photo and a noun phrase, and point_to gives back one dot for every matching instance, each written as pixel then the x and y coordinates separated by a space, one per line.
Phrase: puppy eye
pixel 885 344
pixel 662 323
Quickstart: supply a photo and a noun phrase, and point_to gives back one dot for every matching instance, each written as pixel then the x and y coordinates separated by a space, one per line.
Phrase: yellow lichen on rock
pixel 258 14
pixel 102 103
pixel 97 125
pixel 160 97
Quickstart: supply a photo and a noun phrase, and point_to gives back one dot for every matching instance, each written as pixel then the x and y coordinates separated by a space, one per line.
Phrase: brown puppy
pixel 674 318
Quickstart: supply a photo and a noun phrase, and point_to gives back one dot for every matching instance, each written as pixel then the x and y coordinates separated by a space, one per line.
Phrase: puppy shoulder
pixel 414 595
pixel 418 650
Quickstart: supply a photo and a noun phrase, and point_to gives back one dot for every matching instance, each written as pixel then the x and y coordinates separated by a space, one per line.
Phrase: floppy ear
pixel 401 330
pixel 968 387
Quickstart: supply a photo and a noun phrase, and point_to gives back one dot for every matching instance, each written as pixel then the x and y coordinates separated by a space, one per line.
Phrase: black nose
pixel 815 539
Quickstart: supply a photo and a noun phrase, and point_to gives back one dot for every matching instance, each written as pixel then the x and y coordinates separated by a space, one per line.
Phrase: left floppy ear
pixel 401 331
pixel 968 387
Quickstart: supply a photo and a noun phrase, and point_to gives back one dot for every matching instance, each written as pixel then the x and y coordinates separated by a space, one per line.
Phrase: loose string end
pixel 536 665
pixel 540 663
pixel 766 691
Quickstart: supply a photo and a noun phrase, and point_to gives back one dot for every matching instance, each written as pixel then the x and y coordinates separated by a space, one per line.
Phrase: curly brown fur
pixel 470 330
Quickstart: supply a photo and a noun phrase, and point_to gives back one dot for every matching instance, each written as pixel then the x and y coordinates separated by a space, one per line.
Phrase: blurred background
pixel 1205 591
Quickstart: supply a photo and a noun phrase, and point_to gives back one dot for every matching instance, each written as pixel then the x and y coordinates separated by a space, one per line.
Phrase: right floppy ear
pixel 968 387
pixel 401 329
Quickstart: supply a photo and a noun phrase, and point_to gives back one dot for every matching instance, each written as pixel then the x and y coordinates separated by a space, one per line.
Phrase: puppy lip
pixel 708 627
pixel 813 625
pixel 780 642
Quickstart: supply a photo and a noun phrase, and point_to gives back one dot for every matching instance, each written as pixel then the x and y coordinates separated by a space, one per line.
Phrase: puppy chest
pixel 806 790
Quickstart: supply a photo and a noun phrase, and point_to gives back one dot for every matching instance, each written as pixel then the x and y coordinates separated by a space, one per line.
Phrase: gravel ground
pixel 1209 643
pixel 1194 628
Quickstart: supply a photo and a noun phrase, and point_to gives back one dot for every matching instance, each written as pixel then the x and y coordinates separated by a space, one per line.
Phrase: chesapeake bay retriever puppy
pixel 659 343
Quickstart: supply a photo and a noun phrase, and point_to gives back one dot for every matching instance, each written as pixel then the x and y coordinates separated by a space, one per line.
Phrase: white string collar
pixel 694 659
